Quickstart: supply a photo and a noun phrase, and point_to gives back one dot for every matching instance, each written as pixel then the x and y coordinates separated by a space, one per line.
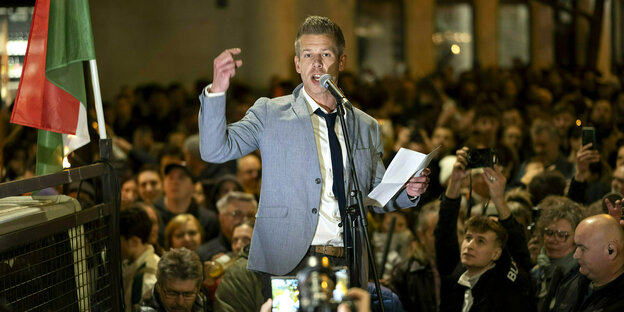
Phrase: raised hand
pixel 224 69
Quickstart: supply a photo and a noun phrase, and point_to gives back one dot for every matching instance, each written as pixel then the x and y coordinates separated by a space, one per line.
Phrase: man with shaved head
pixel 599 243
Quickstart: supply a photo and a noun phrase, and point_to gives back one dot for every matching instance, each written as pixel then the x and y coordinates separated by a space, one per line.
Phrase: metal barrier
pixel 62 261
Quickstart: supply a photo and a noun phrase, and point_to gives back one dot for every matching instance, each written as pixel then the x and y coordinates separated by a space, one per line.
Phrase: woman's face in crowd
pixel 187 235
pixel 559 239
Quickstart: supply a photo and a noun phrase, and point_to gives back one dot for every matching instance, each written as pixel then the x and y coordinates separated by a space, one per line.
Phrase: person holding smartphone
pixel 488 272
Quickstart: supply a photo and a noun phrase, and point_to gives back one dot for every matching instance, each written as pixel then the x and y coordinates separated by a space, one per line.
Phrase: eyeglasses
pixel 561 235
pixel 172 294
pixel 237 214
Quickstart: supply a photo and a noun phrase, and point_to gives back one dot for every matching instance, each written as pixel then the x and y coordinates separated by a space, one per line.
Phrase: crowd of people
pixel 534 230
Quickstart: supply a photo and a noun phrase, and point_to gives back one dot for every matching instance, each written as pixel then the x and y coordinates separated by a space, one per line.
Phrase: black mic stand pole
pixel 359 226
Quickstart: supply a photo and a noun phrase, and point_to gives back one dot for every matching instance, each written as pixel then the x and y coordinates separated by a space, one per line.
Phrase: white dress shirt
pixel 327 230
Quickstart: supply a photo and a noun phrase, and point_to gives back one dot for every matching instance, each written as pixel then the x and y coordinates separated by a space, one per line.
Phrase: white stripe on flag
pixel 74 142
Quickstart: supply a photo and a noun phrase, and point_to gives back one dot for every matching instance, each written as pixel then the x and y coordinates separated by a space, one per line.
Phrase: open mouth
pixel 316 77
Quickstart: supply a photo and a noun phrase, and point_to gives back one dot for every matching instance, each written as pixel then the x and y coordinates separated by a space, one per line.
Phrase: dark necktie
pixel 336 159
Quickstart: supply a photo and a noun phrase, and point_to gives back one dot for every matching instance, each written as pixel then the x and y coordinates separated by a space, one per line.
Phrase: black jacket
pixel 414 283
pixel 505 287
pixel 607 298
pixel 562 292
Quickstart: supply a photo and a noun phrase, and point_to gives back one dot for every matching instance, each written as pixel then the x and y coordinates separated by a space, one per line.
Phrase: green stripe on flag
pixel 49 152
pixel 70 41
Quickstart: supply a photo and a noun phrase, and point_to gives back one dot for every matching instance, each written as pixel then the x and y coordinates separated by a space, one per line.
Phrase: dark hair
pixel 148 167
pixel 540 126
pixel 135 222
pixel 550 182
pixel 320 25
pixel 170 150
pixel 179 264
pixel 564 107
pixel 212 189
pixel 482 224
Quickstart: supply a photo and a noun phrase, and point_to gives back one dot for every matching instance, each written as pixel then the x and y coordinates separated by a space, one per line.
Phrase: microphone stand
pixel 359 225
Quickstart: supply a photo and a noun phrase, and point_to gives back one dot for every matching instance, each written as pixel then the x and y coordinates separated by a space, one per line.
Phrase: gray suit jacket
pixel 291 176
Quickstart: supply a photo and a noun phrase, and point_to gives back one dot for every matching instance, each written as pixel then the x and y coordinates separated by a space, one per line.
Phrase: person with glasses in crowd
pixel 233 208
pixel 178 281
pixel 556 272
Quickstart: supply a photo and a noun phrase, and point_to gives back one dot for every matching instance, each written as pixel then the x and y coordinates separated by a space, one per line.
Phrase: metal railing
pixel 70 262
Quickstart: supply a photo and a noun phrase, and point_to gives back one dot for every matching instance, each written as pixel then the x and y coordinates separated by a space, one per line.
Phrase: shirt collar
pixel 471 281
pixel 313 106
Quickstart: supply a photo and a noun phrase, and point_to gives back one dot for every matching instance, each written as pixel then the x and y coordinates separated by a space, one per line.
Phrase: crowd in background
pixel 531 119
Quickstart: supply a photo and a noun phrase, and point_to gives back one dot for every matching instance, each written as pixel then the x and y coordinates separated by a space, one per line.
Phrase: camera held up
pixel 481 157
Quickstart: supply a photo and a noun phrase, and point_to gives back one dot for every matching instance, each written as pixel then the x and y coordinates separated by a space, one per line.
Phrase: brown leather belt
pixel 328 250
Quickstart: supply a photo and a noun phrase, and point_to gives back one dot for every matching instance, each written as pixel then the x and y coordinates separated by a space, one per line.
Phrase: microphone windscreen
pixel 324 79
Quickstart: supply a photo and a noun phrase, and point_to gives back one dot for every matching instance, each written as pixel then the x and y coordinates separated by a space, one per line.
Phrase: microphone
pixel 327 83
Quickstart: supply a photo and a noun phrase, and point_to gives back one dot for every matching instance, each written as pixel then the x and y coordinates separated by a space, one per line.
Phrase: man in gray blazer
pixel 300 210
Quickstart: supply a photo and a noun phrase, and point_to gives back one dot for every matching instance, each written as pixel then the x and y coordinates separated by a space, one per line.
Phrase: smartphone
pixel 589 136
pixel 285 293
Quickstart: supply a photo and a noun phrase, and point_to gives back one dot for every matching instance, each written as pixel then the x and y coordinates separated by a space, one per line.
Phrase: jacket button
pixel 340 224
pixel 314 210
pixel 318 180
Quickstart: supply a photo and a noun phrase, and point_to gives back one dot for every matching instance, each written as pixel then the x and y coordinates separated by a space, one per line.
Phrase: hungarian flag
pixel 52 92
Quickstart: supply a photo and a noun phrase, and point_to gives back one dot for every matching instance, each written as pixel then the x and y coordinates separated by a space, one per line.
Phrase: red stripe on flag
pixel 27 109
pixel 39 103
pixel 60 110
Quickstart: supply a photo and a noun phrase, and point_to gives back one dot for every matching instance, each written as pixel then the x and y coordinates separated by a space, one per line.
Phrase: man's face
pixel 544 147
pixel 478 250
pixel 318 55
pixel 150 186
pixel 590 252
pixel 602 113
pixel 558 239
pixel 178 295
pixel 617 181
pixel 486 125
pixel 563 122
pixel 241 237
pixel 233 214
pixel 178 185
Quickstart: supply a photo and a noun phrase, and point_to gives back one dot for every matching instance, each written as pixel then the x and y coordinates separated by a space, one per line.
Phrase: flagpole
pixel 98 99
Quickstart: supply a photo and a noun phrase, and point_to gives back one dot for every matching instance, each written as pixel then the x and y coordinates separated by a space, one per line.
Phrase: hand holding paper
pixel 406 167
pixel 418 184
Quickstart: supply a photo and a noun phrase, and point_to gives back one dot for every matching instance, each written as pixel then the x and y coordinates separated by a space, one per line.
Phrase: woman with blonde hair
pixel 184 230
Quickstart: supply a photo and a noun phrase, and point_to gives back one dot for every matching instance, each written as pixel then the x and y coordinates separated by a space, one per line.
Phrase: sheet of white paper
pixel 406 163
